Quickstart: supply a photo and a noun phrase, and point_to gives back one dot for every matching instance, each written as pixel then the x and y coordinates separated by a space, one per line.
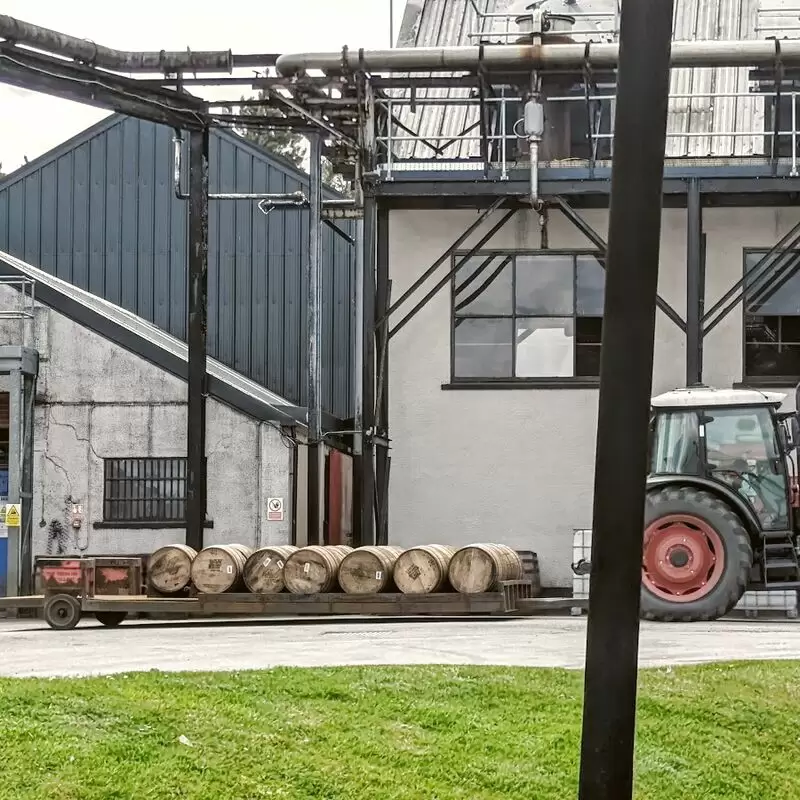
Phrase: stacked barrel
pixel 426 569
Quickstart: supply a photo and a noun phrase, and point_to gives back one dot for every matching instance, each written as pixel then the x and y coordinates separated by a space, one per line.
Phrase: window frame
pixel 555 382
pixel 142 522
pixel 777 381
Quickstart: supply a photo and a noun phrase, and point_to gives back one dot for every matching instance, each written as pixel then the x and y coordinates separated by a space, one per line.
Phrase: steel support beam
pixel 442 258
pixel 626 374
pixel 382 456
pixel 759 272
pixel 197 483
pixel 314 332
pixel 449 276
pixel 54 76
pixel 365 479
pixel 591 234
pixel 695 285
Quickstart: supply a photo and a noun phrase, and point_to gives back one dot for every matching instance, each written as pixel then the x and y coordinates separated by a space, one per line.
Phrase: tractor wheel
pixel 696 558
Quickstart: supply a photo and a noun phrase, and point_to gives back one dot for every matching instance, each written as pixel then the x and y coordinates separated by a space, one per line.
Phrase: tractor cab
pixel 719 517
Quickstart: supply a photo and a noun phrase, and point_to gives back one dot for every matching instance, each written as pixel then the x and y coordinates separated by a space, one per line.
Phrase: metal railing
pixel 778 20
pixel 448 135
pixel 502 27
pixel 20 304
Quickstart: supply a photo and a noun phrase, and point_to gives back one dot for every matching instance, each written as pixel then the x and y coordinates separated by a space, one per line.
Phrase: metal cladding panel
pixel 700 126
pixel 100 212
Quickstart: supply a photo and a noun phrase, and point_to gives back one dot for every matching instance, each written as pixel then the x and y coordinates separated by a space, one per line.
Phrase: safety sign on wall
pixel 11 515
pixel 275 509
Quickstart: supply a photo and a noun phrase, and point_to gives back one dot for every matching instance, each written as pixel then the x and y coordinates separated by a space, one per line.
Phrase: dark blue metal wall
pixel 99 211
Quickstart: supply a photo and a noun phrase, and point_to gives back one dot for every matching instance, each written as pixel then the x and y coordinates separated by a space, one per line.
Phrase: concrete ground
pixel 29 648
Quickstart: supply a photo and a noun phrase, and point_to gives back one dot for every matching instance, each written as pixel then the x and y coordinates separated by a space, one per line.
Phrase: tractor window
pixel 677 444
pixel 742 451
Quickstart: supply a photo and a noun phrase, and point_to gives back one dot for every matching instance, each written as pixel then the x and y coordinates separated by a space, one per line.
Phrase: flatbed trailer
pixel 63 611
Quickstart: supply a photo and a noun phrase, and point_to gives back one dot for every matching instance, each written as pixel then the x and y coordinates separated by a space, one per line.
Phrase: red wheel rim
pixel 683 558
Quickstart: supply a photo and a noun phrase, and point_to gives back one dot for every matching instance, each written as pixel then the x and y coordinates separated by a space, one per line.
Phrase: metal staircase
pixel 780 566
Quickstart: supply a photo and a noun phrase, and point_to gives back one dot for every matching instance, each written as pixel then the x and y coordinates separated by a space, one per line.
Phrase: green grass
pixel 436 733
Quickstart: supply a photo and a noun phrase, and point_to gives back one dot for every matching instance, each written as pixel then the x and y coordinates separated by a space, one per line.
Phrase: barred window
pixel 143 490
pixel 523 317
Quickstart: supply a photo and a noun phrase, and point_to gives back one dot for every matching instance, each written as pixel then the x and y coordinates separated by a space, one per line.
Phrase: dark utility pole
pixel 609 712
pixel 314 313
pixel 198 325
pixel 695 284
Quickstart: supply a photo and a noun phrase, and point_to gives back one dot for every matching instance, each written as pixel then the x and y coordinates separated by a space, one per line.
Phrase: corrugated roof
pixel 99 212
pixel 701 125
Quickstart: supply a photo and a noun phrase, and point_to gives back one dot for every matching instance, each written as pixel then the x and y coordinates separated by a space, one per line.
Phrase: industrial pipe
pixel 18 32
pixel 746 53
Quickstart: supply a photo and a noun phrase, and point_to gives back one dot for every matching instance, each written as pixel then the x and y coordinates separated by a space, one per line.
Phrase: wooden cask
pixel 314 569
pixel 423 570
pixel 169 569
pixel 368 570
pixel 263 572
pixel 220 568
pixel 480 567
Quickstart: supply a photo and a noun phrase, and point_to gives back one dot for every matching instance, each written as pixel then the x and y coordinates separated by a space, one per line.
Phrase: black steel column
pixel 609 712
pixel 382 457
pixel 314 313
pixel 198 329
pixel 365 478
pixel 695 284
pixel 26 482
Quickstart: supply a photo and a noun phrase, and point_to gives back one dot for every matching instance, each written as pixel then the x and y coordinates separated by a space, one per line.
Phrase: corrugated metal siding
pixel 449 22
pixel 100 213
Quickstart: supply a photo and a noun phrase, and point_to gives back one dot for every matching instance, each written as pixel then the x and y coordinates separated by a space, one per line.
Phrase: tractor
pixel 721 512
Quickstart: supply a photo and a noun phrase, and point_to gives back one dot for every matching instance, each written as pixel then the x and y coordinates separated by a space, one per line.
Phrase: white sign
pixel 275 509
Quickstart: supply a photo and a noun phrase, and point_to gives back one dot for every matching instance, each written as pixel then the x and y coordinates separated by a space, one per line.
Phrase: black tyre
pixel 62 612
pixel 697 556
pixel 111 619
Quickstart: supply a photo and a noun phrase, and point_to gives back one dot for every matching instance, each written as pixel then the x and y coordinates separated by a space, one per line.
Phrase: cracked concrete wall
pixel 96 400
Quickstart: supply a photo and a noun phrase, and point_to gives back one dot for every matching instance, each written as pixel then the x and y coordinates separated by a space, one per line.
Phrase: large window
pixel 527 317
pixel 772 316
pixel 144 490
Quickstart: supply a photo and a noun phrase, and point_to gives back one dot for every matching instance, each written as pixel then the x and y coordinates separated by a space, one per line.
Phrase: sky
pixel 35 123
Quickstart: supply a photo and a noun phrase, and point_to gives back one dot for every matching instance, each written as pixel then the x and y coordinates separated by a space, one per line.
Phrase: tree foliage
pixel 286 144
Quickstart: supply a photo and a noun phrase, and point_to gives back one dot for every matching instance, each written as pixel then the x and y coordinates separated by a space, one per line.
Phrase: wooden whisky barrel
pixel 479 567
pixel 219 568
pixel 169 569
pixel 314 569
pixel 368 570
pixel 263 572
pixel 423 570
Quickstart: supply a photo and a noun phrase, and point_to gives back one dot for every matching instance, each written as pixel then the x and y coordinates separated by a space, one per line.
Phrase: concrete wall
pixel 516 466
pixel 96 400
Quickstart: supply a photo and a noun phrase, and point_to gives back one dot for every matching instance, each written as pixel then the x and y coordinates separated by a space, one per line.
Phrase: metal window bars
pixel 145 490
pixel 19 305
pixel 402 148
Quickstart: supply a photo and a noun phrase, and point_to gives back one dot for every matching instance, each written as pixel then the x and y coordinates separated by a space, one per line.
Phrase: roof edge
pixel 70 304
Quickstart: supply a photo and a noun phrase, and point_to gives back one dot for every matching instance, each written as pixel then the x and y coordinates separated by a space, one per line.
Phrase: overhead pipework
pixel 18 32
pixel 741 53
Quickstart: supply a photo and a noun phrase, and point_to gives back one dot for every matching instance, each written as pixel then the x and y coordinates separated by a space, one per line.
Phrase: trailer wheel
pixel 696 557
pixel 110 619
pixel 62 612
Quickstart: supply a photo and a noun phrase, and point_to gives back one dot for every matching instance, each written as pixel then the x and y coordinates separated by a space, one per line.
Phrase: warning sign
pixel 275 509
pixel 13 515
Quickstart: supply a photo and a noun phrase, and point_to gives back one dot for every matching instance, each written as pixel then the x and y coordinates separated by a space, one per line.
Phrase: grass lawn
pixel 434 733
